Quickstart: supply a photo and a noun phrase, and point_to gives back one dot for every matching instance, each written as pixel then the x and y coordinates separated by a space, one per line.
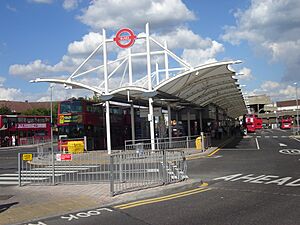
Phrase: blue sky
pixel 49 38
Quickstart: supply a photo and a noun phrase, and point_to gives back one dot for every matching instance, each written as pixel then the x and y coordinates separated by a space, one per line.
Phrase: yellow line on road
pixel 161 199
pixel 218 149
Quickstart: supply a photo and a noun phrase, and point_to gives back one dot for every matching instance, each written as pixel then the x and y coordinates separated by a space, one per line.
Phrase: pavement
pixel 19 205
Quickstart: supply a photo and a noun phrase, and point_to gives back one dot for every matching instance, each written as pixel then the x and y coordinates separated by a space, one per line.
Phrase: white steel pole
pixel 107 114
pixel 156 73
pixel 200 121
pixel 51 131
pixel 166 61
pixel 189 121
pixel 169 123
pixel 297 107
pixel 151 120
pixel 130 66
pixel 132 123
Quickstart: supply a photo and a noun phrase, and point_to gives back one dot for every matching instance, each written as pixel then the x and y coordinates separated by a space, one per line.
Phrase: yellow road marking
pixel 211 154
pixel 204 185
pixel 218 149
pixel 161 199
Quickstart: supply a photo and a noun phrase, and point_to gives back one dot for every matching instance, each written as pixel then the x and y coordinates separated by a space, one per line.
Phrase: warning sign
pixel 27 157
pixel 75 146
pixel 63 157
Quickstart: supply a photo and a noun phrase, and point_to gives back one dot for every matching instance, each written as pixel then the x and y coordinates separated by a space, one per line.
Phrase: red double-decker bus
pixel 22 130
pixel 258 123
pixel 250 122
pixel 79 118
pixel 285 122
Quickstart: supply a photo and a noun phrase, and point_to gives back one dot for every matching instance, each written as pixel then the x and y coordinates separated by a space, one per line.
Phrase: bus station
pixel 194 99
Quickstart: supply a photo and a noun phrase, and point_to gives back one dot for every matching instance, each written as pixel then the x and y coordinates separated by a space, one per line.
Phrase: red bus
pixel 249 123
pixel 79 118
pixel 22 130
pixel 285 122
pixel 258 123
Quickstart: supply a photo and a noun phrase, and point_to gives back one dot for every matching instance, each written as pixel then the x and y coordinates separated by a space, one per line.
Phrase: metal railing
pixel 124 170
pixel 296 130
pixel 33 140
pixel 133 171
pixel 184 142
pixel 88 167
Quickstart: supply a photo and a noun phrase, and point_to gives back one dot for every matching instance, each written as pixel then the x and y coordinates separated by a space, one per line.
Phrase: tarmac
pixel 20 205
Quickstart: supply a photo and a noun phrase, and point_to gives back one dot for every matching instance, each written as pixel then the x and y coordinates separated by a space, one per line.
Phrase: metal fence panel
pixel 88 167
pixel 184 142
pixel 133 171
pixel 125 170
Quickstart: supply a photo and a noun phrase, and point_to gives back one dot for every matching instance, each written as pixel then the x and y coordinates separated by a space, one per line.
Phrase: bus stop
pixel 167 81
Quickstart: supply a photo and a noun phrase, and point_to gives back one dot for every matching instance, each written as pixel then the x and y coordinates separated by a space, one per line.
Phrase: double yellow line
pixel 222 145
pixel 161 199
pixel 212 153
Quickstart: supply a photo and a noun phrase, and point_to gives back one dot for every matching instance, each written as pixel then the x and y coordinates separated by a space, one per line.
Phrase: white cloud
pixel 200 56
pixel 269 85
pixel 88 43
pixel 115 14
pixel 192 47
pixel 246 74
pixel 277 91
pixel 77 51
pixel 195 50
pixel 70 4
pixel 11 8
pixel 8 93
pixel 2 80
pixel 60 94
pixel 272 27
pixel 41 1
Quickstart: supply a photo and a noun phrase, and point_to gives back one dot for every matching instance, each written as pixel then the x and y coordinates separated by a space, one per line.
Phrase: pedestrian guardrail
pixel 184 142
pixel 133 171
pixel 124 170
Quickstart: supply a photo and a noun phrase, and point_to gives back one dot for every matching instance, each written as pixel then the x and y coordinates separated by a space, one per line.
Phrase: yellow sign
pixel 75 146
pixel 70 119
pixel 61 119
pixel 27 157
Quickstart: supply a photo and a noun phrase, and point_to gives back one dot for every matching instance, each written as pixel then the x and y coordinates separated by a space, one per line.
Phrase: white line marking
pixel 258 136
pixel 267 136
pixel 275 136
pixel 257 143
pixel 295 139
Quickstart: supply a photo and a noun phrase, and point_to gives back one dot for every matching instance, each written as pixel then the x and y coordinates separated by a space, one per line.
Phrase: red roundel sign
pixel 125 38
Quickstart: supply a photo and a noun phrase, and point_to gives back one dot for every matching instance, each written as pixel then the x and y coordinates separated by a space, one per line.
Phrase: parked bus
pixel 285 122
pixel 80 118
pixel 258 123
pixel 250 123
pixel 22 130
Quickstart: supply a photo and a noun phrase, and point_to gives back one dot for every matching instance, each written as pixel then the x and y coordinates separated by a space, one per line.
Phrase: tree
pixel 4 110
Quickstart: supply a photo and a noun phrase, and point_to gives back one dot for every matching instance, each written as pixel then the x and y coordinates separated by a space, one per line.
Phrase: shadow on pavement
pixel 234 143
pixel 5 207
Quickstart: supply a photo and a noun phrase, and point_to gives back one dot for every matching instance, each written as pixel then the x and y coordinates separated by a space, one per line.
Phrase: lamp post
pixel 296 85
pixel 51 131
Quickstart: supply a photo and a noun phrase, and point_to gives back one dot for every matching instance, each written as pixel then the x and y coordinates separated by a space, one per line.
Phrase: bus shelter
pixel 174 83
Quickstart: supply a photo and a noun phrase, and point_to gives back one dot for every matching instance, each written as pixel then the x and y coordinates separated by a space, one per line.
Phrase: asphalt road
pixel 254 180
pixel 9 158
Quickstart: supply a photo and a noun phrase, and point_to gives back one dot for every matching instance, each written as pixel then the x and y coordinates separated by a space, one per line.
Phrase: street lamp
pixel 297 107
pixel 51 130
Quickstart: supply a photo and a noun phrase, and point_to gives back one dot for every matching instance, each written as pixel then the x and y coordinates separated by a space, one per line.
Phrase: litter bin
pixel 198 143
